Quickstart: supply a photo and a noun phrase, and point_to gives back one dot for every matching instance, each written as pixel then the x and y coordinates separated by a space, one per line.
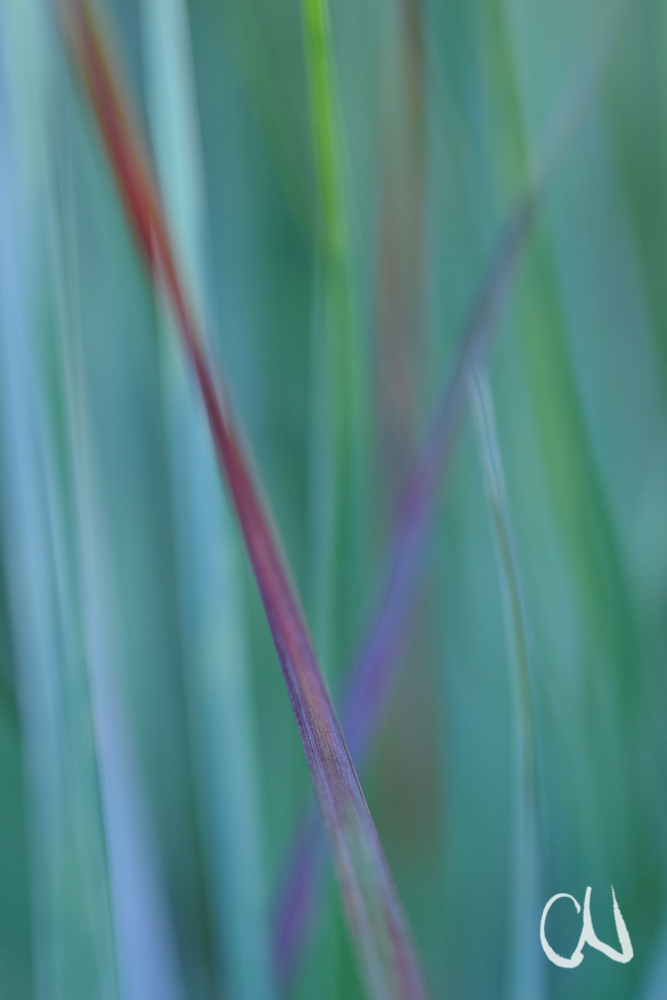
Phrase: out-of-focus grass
pixel 127 594
pixel 526 969
pixel 210 581
pixel 374 913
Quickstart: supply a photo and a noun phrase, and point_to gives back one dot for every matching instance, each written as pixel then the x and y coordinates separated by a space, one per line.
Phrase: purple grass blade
pixel 379 930
pixel 369 680
pixel 373 672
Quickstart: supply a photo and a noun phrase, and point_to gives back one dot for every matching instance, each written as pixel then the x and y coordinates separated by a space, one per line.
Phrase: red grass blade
pixel 377 923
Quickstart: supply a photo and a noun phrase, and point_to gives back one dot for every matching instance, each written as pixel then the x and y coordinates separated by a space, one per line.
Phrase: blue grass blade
pixel 74 944
pixel 210 573
pixel 147 955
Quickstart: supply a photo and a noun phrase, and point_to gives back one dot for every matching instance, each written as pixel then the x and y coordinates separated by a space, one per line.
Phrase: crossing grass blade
pixel 374 912
pixel 371 676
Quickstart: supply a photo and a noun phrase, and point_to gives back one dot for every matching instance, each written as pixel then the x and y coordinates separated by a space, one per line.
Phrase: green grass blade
pixel 339 441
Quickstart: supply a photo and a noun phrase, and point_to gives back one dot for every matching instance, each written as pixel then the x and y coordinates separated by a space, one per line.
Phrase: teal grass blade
pixel 16 960
pixel 527 972
pixel 145 938
pixel 340 446
pixel 73 943
pixel 212 611
pixel 577 491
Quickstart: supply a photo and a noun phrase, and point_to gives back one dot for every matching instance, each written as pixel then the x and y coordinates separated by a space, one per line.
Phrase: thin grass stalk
pixel 526 974
pixel 525 968
pixel 371 675
pixel 378 926
pixel 74 945
pixel 147 957
pixel 339 428
pixel 211 588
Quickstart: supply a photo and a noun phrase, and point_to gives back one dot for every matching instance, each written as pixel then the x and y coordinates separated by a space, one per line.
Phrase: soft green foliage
pixel 335 178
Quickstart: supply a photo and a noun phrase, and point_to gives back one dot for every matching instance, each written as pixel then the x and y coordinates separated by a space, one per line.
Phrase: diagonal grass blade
pixel 378 926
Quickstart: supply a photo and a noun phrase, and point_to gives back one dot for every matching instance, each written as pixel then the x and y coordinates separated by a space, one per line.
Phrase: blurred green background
pixel 151 773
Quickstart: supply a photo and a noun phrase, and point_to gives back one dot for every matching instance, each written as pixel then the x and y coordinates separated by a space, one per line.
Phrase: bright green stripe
pixel 340 427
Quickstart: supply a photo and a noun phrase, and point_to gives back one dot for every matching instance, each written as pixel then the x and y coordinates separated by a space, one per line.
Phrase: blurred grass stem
pixel 378 926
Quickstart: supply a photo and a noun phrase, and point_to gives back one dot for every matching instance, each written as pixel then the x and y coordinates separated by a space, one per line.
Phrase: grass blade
pixel 527 968
pixel 610 699
pixel 378 926
pixel 209 572
pixel 74 945
pixel 147 959
pixel 371 675
pixel 339 427
pixel 339 446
